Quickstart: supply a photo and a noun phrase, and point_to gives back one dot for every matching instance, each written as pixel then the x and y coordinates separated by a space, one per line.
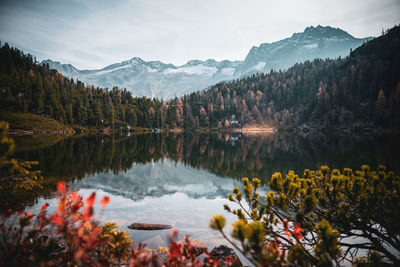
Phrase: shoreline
pixel 255 130
pixel 245 131
pixel 175 130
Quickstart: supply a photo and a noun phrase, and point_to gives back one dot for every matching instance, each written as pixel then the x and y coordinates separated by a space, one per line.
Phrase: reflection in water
pixel 157 179
pixel 221 154
pixel 116 162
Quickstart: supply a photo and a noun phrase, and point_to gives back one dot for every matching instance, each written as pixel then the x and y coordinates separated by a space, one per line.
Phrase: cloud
pixel 92 34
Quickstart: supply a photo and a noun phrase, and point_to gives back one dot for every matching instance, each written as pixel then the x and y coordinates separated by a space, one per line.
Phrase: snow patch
pixel 193 70
pixel 149 69
pixel 275 47
pixel 334 39
pixel 311 46
pixel 228 71
pixel 101 72
pixel 259 66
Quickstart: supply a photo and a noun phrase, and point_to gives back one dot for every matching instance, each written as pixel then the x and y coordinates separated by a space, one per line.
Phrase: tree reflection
pixel 232 155
pixel 224 154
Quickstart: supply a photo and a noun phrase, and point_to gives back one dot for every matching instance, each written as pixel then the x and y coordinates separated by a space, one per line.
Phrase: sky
pixel 92 34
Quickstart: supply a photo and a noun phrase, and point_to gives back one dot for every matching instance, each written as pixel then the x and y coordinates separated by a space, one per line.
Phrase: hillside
pixel 22 122
pixel 157 79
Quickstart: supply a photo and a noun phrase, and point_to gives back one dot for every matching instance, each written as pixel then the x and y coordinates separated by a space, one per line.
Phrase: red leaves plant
pixel 72 222
pixel 297 232
pixel 44 207
pixel 78 240
pixel 61 187
pixel 104 201
pixel 286 228
pixel 90 200
pixel 57 219
pixel 184 254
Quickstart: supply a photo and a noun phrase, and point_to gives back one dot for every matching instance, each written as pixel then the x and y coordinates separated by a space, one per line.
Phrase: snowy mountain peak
pixel 134 61
pixel 324 31
pixel 158 65
pixel 193 62
pixel 66 69
pixel 313 42
pixel 157 79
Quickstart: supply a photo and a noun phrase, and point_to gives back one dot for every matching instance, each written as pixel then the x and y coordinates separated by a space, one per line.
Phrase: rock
pixel 148 226
pixel 222 252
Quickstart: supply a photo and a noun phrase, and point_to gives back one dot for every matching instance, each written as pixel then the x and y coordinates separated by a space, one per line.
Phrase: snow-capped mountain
pixel 153 78
pixel 314 42
pixel 158 179
pixel 157 79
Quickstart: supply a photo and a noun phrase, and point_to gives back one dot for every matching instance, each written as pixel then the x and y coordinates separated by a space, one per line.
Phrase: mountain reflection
pixel 160 178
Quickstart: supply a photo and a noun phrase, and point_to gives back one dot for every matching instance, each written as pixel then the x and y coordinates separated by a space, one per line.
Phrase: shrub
pixel 315 218
pixel 70 236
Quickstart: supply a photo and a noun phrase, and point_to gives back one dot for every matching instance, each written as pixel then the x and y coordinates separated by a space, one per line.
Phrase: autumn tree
pixel 380 106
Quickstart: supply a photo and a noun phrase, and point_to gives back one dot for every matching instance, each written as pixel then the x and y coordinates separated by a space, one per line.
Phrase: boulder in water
pixel 148 226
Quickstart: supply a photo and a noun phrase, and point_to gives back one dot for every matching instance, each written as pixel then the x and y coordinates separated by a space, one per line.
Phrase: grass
pixel 31 122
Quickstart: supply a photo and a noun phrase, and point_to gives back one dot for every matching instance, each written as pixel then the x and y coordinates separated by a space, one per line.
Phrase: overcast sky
pixel 93 34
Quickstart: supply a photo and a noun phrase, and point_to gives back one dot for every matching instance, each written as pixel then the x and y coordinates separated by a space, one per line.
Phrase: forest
pixel 359 91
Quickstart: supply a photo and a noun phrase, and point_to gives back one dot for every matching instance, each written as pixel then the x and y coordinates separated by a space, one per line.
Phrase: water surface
pixel 183 179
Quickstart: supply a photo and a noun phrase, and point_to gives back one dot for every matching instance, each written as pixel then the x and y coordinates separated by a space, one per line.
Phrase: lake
pixel 183 179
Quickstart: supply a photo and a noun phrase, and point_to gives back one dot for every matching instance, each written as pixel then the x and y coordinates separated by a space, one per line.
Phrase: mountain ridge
pixel 166 80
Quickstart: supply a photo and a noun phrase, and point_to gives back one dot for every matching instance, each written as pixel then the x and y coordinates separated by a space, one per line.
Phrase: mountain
pixel 157 79
pixel 153 78
pixel 314 42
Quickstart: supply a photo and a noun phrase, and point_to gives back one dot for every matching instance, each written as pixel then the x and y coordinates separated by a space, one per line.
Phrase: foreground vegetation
pixel 333 216
pixel 71 236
